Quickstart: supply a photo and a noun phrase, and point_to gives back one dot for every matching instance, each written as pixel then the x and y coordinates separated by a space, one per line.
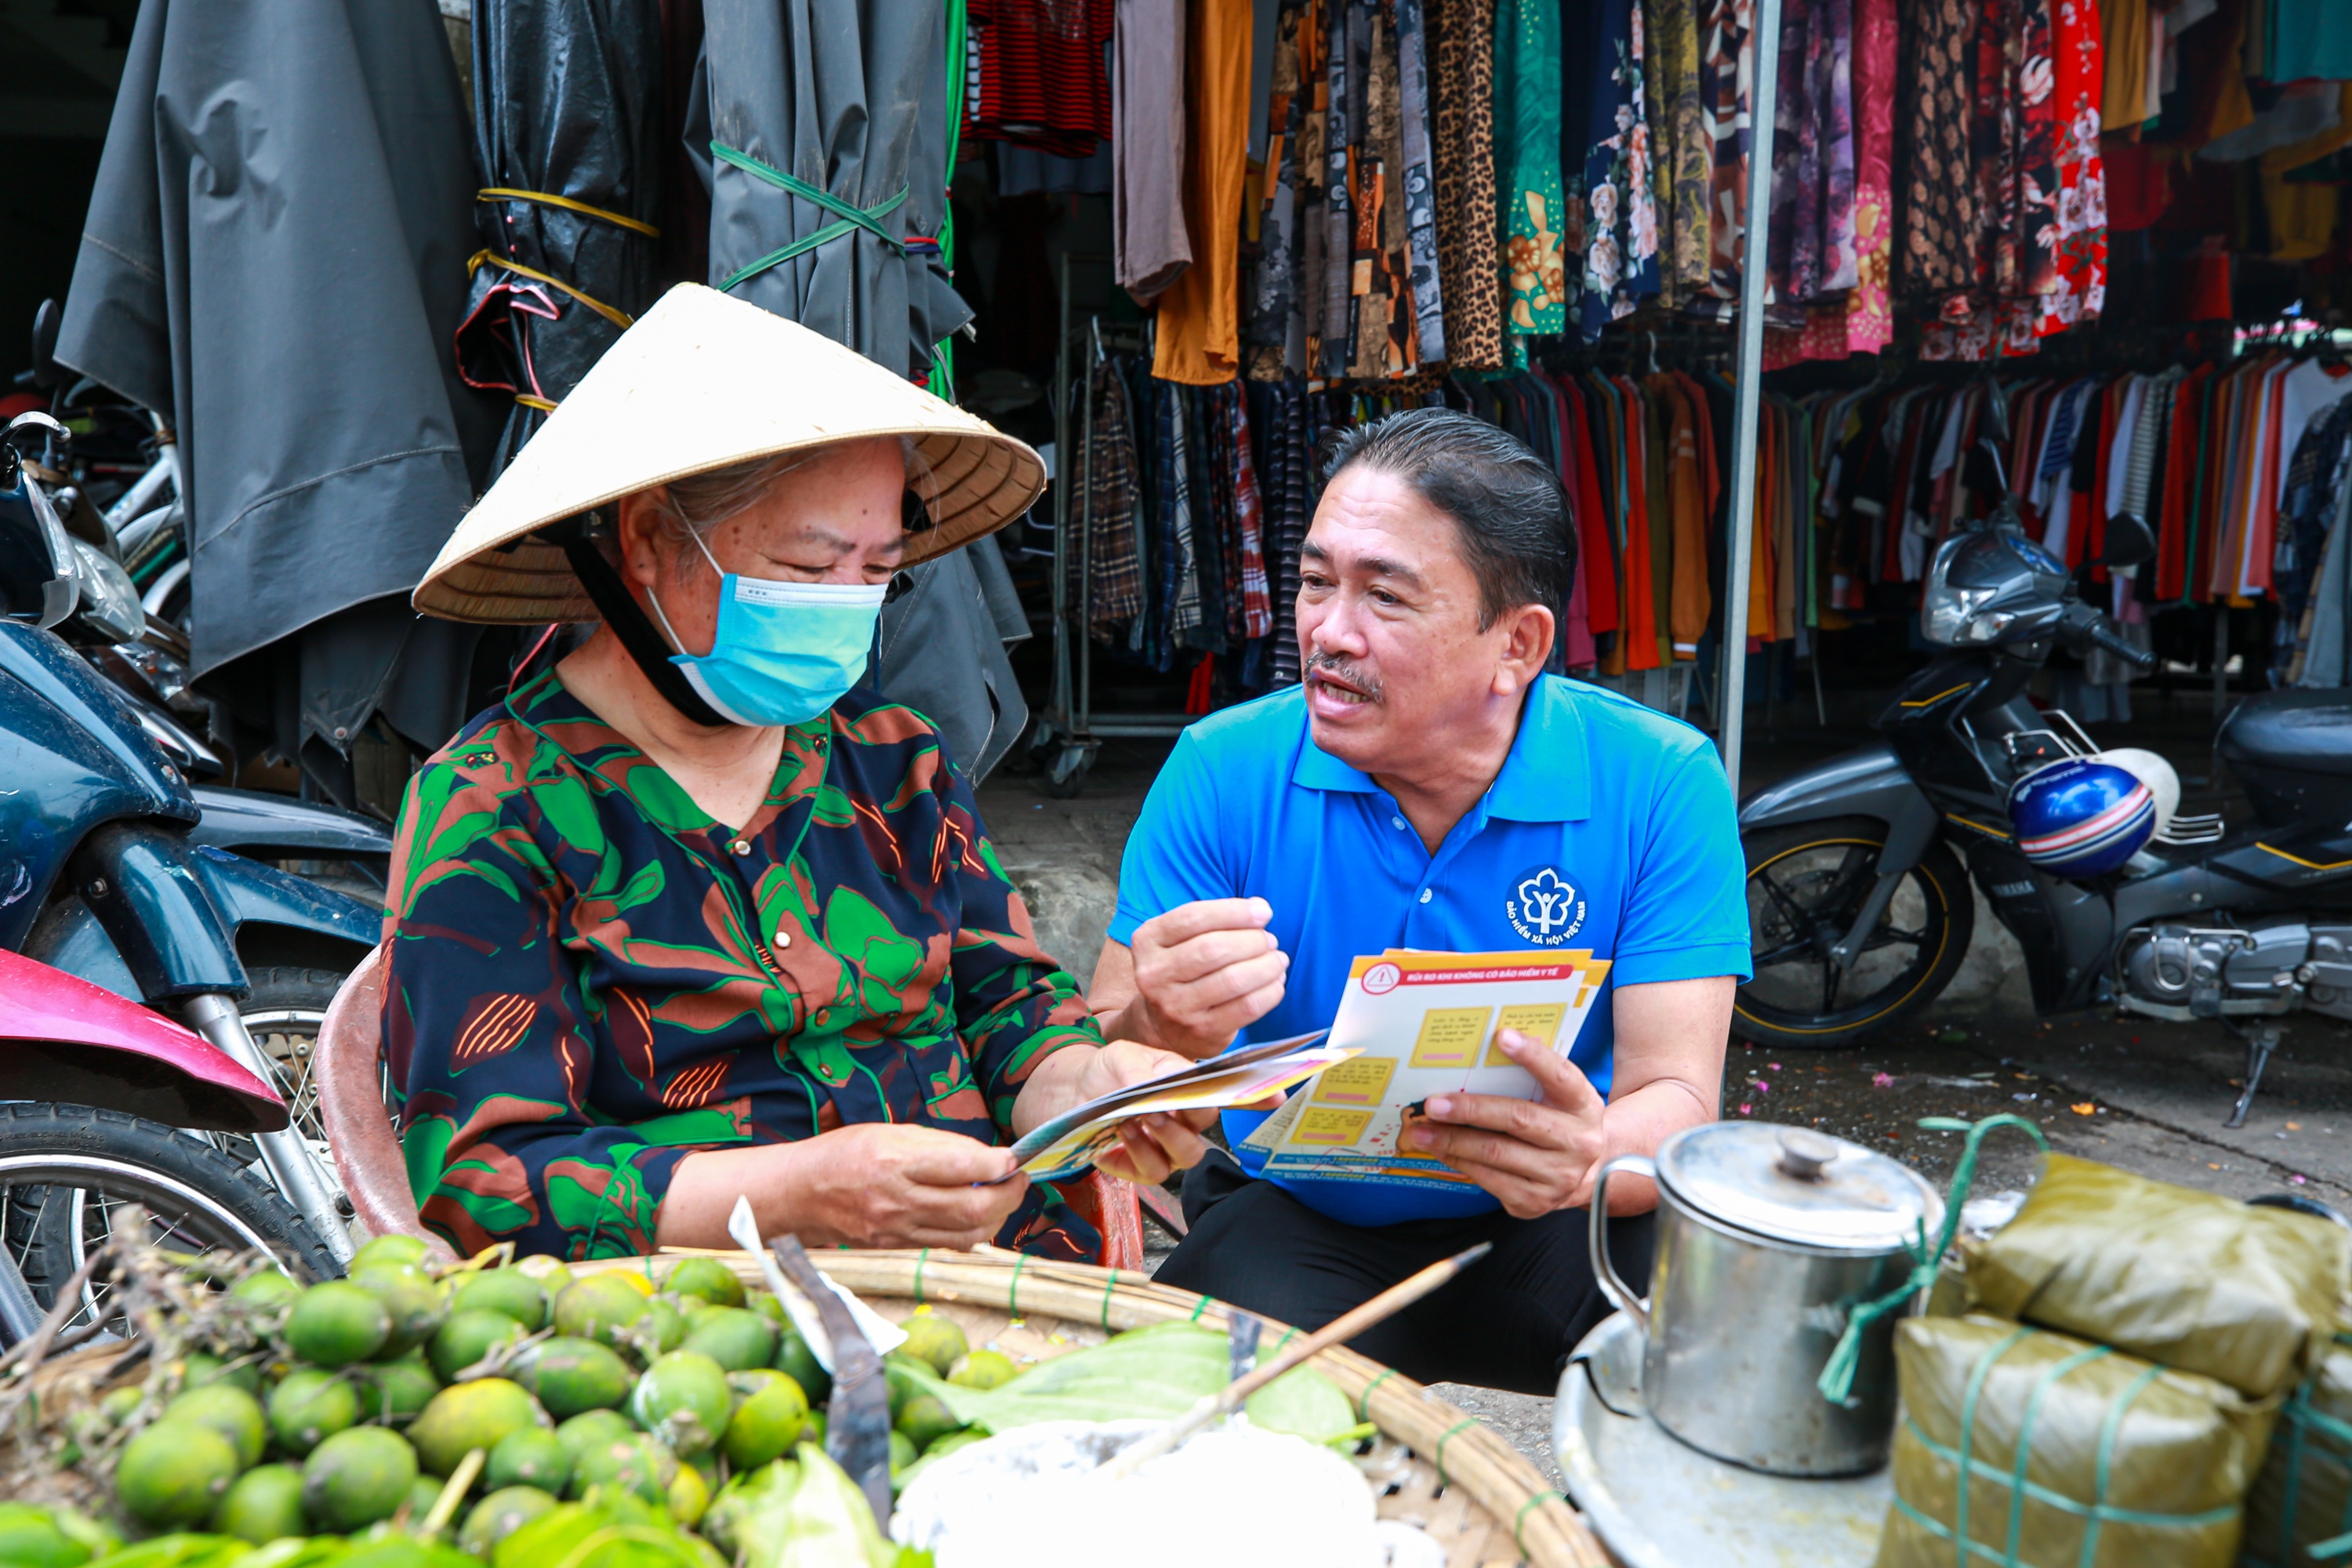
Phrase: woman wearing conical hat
pixel 689 914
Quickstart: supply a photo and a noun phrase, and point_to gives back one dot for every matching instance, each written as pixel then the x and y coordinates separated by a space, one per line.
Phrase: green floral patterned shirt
pixel 590 979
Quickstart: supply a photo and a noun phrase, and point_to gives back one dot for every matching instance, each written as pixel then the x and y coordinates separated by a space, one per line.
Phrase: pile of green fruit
pixel 511 1415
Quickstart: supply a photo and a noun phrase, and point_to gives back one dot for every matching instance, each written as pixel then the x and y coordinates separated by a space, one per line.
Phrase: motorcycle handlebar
pixel 2102 631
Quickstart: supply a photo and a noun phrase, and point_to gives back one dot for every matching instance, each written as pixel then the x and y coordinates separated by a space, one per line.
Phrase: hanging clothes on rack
pixel 1034 74
pixel 1607 155
pixel 1463 153
pixel 1198 335
pixel 1535 286
pixel 1683 156
pixel 1150 234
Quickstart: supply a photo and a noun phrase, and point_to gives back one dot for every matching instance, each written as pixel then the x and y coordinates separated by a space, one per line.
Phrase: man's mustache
pixel 1347 674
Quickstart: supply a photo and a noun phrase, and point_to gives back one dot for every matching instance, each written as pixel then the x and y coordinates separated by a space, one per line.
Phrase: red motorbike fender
pixel 64 1039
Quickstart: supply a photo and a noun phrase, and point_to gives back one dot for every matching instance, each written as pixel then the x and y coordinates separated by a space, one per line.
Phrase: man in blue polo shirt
pixel 1424 777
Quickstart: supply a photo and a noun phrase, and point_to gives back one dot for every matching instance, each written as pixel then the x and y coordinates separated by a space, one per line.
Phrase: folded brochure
pixel 1067 1145
pixel 1417 1024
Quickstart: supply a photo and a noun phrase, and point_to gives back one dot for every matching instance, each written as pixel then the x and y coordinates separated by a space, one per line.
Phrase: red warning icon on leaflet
pixel 1380 979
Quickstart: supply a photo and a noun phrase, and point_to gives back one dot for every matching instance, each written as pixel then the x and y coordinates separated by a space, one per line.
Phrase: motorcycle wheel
pixel 1805 885
pixel 282 1013
pixel 67 1172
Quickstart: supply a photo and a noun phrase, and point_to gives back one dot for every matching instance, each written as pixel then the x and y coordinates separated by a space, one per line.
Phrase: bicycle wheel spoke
pixel 1788 951
pixel 1829 973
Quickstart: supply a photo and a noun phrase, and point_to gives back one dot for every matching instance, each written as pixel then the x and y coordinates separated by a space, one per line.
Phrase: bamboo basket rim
pixel 1464 1450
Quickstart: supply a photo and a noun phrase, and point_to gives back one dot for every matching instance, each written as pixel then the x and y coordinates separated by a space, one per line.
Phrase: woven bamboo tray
pixel 1448 1472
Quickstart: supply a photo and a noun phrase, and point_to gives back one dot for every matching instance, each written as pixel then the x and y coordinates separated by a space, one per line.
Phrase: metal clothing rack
pixel 1069 733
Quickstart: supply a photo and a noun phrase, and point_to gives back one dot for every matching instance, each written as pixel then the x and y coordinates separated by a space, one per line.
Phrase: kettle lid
pixel 1799 1185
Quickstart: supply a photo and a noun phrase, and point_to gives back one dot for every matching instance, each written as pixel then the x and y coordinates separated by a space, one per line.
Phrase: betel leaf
pixel 177 1552
pixel 399 1552
pixel 802 1512
pixel 609 1531
pixel 827 1524
pixel 296 1551
pixel 1155 1372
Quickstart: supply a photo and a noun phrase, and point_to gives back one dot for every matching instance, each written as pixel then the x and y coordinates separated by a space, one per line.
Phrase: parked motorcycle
pixel 97 1090
pixel 1861 913
pixel 101 876
pixel 130 569
pixel 129 592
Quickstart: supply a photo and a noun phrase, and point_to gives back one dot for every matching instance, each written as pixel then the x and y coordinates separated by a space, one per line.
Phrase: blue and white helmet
pixel 2082 817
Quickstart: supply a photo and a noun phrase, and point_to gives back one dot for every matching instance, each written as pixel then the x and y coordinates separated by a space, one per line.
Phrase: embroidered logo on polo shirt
pixel 1544 907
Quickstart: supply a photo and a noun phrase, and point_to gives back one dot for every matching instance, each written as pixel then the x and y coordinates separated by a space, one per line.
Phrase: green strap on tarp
pixel 2110 1430
pixel 852 217
pixel 2304 1422
pixel 2058 1500
pixel 1977 1374
pixel 1836 1381
pixel 1967 1466
pixel 942 376
pixel 2025 1426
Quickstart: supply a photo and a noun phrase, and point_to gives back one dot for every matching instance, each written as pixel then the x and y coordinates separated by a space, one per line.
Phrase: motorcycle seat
pixel 2292 751
pixel 2308 732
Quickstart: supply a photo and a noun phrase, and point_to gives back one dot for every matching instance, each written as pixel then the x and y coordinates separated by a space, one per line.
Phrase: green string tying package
pixel 2301 1508
pixel 2026 1446
pixel 1836 1381
pixel 2025 1449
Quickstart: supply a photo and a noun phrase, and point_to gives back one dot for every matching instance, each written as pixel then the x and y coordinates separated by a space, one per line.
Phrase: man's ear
pixel 1527 632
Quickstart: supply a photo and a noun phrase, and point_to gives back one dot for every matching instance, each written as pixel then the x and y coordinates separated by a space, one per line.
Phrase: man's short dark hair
pixel 1506 503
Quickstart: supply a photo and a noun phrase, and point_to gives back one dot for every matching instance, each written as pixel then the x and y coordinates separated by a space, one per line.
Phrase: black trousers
pixel 1510 1322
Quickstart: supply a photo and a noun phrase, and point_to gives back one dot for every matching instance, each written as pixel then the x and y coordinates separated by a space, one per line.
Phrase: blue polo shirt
pixel 1625 804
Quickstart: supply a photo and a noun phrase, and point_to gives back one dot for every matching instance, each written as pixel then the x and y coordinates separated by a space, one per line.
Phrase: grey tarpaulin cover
pixel 568 135
pixel 848 98
pixel 275 258
pixel 941 651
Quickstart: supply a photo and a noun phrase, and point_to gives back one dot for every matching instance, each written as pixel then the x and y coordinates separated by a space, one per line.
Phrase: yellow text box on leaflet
pixel 1542 1019
pixel 1450 1036
pixel 1360 1080
pixel 1331 1129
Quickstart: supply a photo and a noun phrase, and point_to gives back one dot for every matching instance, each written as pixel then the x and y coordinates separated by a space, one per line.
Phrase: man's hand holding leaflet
pixel 1252 1078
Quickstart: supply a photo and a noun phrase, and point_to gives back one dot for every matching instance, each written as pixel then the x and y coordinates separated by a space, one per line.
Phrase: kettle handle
pixel 1596 1231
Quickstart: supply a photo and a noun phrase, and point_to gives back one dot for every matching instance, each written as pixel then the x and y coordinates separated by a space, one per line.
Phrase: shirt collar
pixel 603 753
pixel 1545 776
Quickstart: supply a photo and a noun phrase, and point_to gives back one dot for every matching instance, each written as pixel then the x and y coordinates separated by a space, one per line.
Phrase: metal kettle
pixel 1768 1236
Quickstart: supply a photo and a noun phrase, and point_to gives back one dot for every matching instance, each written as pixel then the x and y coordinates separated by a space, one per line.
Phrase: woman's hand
pixel 1149 1147
pixel 872 1185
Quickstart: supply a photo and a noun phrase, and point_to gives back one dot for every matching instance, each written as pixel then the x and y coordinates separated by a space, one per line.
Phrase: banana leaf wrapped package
pixel 2203 1283
pixel 2304 1495
pixel 2079 1456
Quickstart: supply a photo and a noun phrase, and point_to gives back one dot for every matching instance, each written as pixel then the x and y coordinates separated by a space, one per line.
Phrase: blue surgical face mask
pixel 784 652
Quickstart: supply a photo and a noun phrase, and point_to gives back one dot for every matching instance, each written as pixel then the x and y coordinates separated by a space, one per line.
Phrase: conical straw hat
pixel 701 382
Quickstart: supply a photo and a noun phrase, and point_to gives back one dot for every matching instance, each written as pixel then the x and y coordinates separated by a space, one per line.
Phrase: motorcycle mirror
pixel 2130 540
pixel 46 372
pixel 1988 474
pixel 1996 412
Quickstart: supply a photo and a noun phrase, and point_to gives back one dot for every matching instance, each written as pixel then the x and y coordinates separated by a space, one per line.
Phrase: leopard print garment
pixel 1463 91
